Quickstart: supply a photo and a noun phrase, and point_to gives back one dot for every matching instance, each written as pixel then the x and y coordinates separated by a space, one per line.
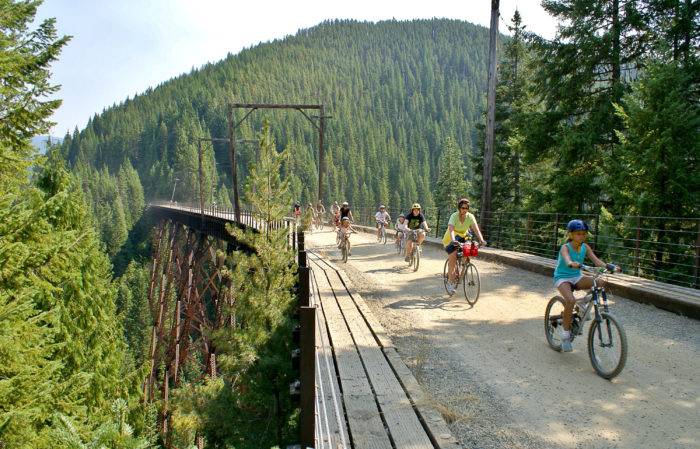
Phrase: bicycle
pixel 344 246
pixel 400 243
pixel 318 221
pixel 382 232
pixel 607 341
pixel 417 250
pixel 467 274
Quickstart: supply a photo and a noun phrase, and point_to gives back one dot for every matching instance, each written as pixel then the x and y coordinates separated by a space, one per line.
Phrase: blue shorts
pixel 451 247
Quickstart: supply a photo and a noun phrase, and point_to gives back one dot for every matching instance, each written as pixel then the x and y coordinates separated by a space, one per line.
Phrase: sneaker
pixel 566 345
pixel 565 340
pixel 450 288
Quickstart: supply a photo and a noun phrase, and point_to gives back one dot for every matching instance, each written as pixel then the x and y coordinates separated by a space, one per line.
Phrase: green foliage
pixel 394 89
pixel 657 158
pixel 248 406
pixel 25 58
pixel 451 184
pixel 115 433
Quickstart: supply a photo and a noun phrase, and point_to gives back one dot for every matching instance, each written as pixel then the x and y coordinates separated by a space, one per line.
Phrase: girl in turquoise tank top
pixel 568 276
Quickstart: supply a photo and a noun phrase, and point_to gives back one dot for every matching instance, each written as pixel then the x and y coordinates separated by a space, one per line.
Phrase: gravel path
pixel 495 380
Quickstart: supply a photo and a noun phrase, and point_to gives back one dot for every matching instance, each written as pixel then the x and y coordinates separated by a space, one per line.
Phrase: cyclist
pixel 459 225
pixel 346 212
pixel 568 276
pixel 401 227
pixel 343 231
pixel 415 222
pixel 383 218
pixel 297 213
pixel 320 211
pixel 335 210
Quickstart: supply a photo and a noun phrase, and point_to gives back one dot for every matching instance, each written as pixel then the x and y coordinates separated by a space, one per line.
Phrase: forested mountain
pixel 395 90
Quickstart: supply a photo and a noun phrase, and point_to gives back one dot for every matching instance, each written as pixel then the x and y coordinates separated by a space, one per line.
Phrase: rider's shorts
pixel 572 280
pixel 413 235
pixel 451 247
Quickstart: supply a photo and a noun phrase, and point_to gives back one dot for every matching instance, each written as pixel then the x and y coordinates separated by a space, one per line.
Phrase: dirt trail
pixel 492 374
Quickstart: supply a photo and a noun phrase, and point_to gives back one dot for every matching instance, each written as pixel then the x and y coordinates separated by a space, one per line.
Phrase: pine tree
pixel 451 183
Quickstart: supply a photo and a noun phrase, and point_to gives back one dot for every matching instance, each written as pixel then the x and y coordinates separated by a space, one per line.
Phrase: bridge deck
pixel 383 405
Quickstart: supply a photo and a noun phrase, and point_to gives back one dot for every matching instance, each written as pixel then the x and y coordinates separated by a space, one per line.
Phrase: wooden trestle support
pixel 189 298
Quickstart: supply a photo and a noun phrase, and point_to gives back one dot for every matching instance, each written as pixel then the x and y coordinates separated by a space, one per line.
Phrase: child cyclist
pixel 401 227
pixel 568 276
pixel 382 217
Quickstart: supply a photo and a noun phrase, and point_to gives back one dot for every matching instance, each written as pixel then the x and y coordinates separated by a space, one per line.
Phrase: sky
pixel 120 48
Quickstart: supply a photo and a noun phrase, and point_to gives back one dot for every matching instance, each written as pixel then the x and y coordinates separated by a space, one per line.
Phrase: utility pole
pixel 321 129
pixel 490 118
pixel 234 175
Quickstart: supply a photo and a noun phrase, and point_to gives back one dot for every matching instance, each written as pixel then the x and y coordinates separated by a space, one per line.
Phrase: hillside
pixel 396 91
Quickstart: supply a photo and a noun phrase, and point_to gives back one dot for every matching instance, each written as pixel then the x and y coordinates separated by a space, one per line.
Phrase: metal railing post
pixel 636 246
pixel 307 374
pixel 556 235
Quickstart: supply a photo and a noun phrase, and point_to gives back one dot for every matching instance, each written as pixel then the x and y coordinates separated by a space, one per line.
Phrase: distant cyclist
pixel 401 227
pixel 568 276
pixel 297 213
pixel 415 222
pixel 382 218
pixel 346 212
pixel 459 225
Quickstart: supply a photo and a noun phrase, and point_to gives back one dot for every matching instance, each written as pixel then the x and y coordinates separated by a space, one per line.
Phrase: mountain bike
pixel 607 341
pixel 466 273
pixel 416 252
pixel 382 232
pixel 345 246
pixel 400 243
pixel 318 221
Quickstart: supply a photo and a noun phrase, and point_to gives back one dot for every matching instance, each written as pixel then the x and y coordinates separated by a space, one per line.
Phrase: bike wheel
pixel 345 251
pixel 384 235
pixel 471 283
pixel 397 244
pixel 607 346
pixel 553 319
pixel 416 258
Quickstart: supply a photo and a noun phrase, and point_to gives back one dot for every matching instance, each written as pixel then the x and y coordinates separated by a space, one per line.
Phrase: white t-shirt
pixel 401 226
pixel 382 216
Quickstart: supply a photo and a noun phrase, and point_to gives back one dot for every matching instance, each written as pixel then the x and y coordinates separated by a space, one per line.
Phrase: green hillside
pixel 395 90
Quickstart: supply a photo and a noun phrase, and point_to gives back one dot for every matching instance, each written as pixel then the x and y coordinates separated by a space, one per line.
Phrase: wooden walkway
pixel 366 396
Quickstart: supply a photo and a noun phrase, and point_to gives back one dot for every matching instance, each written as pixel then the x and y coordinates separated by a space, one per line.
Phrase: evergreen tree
pixel 581 74
pixel 451 183
pixel 659 147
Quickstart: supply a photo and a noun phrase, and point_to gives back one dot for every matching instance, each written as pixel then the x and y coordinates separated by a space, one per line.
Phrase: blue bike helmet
pixel 577 225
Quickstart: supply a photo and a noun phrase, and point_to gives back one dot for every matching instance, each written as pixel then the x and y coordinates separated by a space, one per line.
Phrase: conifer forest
pixel 601 121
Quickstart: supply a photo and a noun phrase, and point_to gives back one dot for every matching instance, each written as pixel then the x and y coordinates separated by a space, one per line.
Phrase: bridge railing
pixel 247 217
pixel 665 249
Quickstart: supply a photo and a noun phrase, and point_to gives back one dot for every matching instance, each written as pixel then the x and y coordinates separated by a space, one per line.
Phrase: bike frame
pixel 592 300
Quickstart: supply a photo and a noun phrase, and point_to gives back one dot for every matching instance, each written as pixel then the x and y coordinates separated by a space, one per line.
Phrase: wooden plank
pixel 404 426
pixel 437 427
pixel 364 421
pixel 332 430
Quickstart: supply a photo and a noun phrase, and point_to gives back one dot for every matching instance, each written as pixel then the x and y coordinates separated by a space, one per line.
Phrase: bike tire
pixel 550 329
pixel 384 235
pixel 416 258
pixel 471 284
pixel 397 244
pixel 608 324
pixel 344 252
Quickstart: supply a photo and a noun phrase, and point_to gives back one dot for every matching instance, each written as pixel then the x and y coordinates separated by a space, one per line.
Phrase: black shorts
pixel 451 247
